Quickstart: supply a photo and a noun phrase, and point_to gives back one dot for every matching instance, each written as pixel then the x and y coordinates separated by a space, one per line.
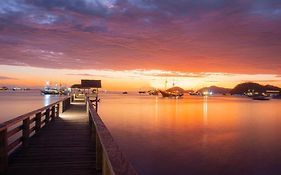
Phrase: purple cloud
pixel 188 36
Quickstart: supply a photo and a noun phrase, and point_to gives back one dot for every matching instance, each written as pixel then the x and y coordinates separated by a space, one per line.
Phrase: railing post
pixel 53 115
pixel 99 153
pixel 58 110
pixel 3 151
pixel 47 116
pixel 61 107
pixel 25 131
pixel 96 101
pixel 69 102
pixel 87 104
pixel 38 122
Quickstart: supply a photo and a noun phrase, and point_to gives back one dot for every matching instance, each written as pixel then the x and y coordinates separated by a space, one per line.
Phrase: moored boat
pixel 4 88
pixel 171 94
pixel 153 92
pixel 261 98
pixel 50 91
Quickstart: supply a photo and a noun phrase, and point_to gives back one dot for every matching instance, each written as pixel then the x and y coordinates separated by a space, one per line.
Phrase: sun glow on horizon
pixel 128 79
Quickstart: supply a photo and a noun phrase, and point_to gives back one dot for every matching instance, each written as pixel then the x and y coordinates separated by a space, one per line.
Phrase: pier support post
pixel 38 122
pixel 47 116
pixel 25 131
pixel 99 153
pixel 3 151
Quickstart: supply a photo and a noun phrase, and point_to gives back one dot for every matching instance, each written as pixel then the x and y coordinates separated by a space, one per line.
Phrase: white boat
pixel 50 91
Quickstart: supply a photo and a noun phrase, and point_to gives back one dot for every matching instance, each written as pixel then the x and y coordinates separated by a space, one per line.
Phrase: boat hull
pixel 171 94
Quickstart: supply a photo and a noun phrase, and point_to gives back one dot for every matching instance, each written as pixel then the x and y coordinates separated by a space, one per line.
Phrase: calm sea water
pixel 15 103
pixel 193 135
pixel 196 135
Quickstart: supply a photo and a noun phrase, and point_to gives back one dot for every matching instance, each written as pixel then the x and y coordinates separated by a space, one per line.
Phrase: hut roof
pixel 76 86
pixel 91 83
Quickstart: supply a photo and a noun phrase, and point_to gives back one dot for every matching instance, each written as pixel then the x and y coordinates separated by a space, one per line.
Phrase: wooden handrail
pixel 24 123
pixel 110 159
pixel 24 116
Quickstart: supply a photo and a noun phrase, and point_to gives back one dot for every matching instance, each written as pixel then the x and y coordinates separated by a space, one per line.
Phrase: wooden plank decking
pixel 63 147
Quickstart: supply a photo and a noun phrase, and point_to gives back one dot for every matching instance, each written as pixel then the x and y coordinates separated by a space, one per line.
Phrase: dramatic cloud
pixel 186 36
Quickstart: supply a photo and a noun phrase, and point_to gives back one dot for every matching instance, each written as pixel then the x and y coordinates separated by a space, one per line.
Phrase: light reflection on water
pixel 47 100
pixel 196 135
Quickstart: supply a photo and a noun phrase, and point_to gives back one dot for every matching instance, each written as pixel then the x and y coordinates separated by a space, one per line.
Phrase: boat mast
pixel 166 82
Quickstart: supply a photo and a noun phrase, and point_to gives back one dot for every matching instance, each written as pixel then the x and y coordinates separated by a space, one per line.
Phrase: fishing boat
pixel 153 92
pixel 171 94
pixel 125 92
pixel 50 91
pixel 261 97
pixel 4 89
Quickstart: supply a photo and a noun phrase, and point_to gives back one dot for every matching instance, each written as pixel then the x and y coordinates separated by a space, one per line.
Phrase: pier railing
pixel 15 133
pixel 110 159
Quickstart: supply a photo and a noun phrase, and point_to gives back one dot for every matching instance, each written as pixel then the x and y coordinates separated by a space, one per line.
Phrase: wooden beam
pixel 47 116
pixel 3 151
pixel 25 132
pixel 38 122
pixel 53 113
pixel 99 154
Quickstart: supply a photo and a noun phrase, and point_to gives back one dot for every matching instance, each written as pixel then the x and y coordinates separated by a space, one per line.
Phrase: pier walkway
pixel 63 147
pixel 62 138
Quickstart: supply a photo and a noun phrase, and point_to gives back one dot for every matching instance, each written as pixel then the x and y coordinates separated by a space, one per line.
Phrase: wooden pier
pixel 62 138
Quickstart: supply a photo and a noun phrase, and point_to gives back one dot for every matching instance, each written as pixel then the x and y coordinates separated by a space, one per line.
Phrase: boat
pixel 276 97
pixel 125 92
pixel 261 97
pixel 50 91
pixel 153 92
pixel 142 92
pixel 4 89
pixel 171 94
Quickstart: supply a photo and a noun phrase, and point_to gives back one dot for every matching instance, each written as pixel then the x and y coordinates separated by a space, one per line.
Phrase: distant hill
pixel 215 90
pixel 244 87
pixel 177 89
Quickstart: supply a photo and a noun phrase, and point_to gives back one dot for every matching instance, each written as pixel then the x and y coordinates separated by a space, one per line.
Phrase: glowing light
pixel 205 93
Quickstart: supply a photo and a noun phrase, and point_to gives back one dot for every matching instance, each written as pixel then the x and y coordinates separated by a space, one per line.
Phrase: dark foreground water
pixel 196 135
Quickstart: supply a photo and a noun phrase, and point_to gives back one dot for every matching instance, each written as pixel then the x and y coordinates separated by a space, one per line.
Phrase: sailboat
pixel 169 93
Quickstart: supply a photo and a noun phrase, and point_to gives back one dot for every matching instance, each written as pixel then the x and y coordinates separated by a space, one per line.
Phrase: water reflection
pixel 156 108
pixel 47 100
pixel 196 135
pixel 205 110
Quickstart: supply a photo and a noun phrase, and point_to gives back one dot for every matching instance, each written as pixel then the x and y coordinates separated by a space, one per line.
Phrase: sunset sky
pixel 137 44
